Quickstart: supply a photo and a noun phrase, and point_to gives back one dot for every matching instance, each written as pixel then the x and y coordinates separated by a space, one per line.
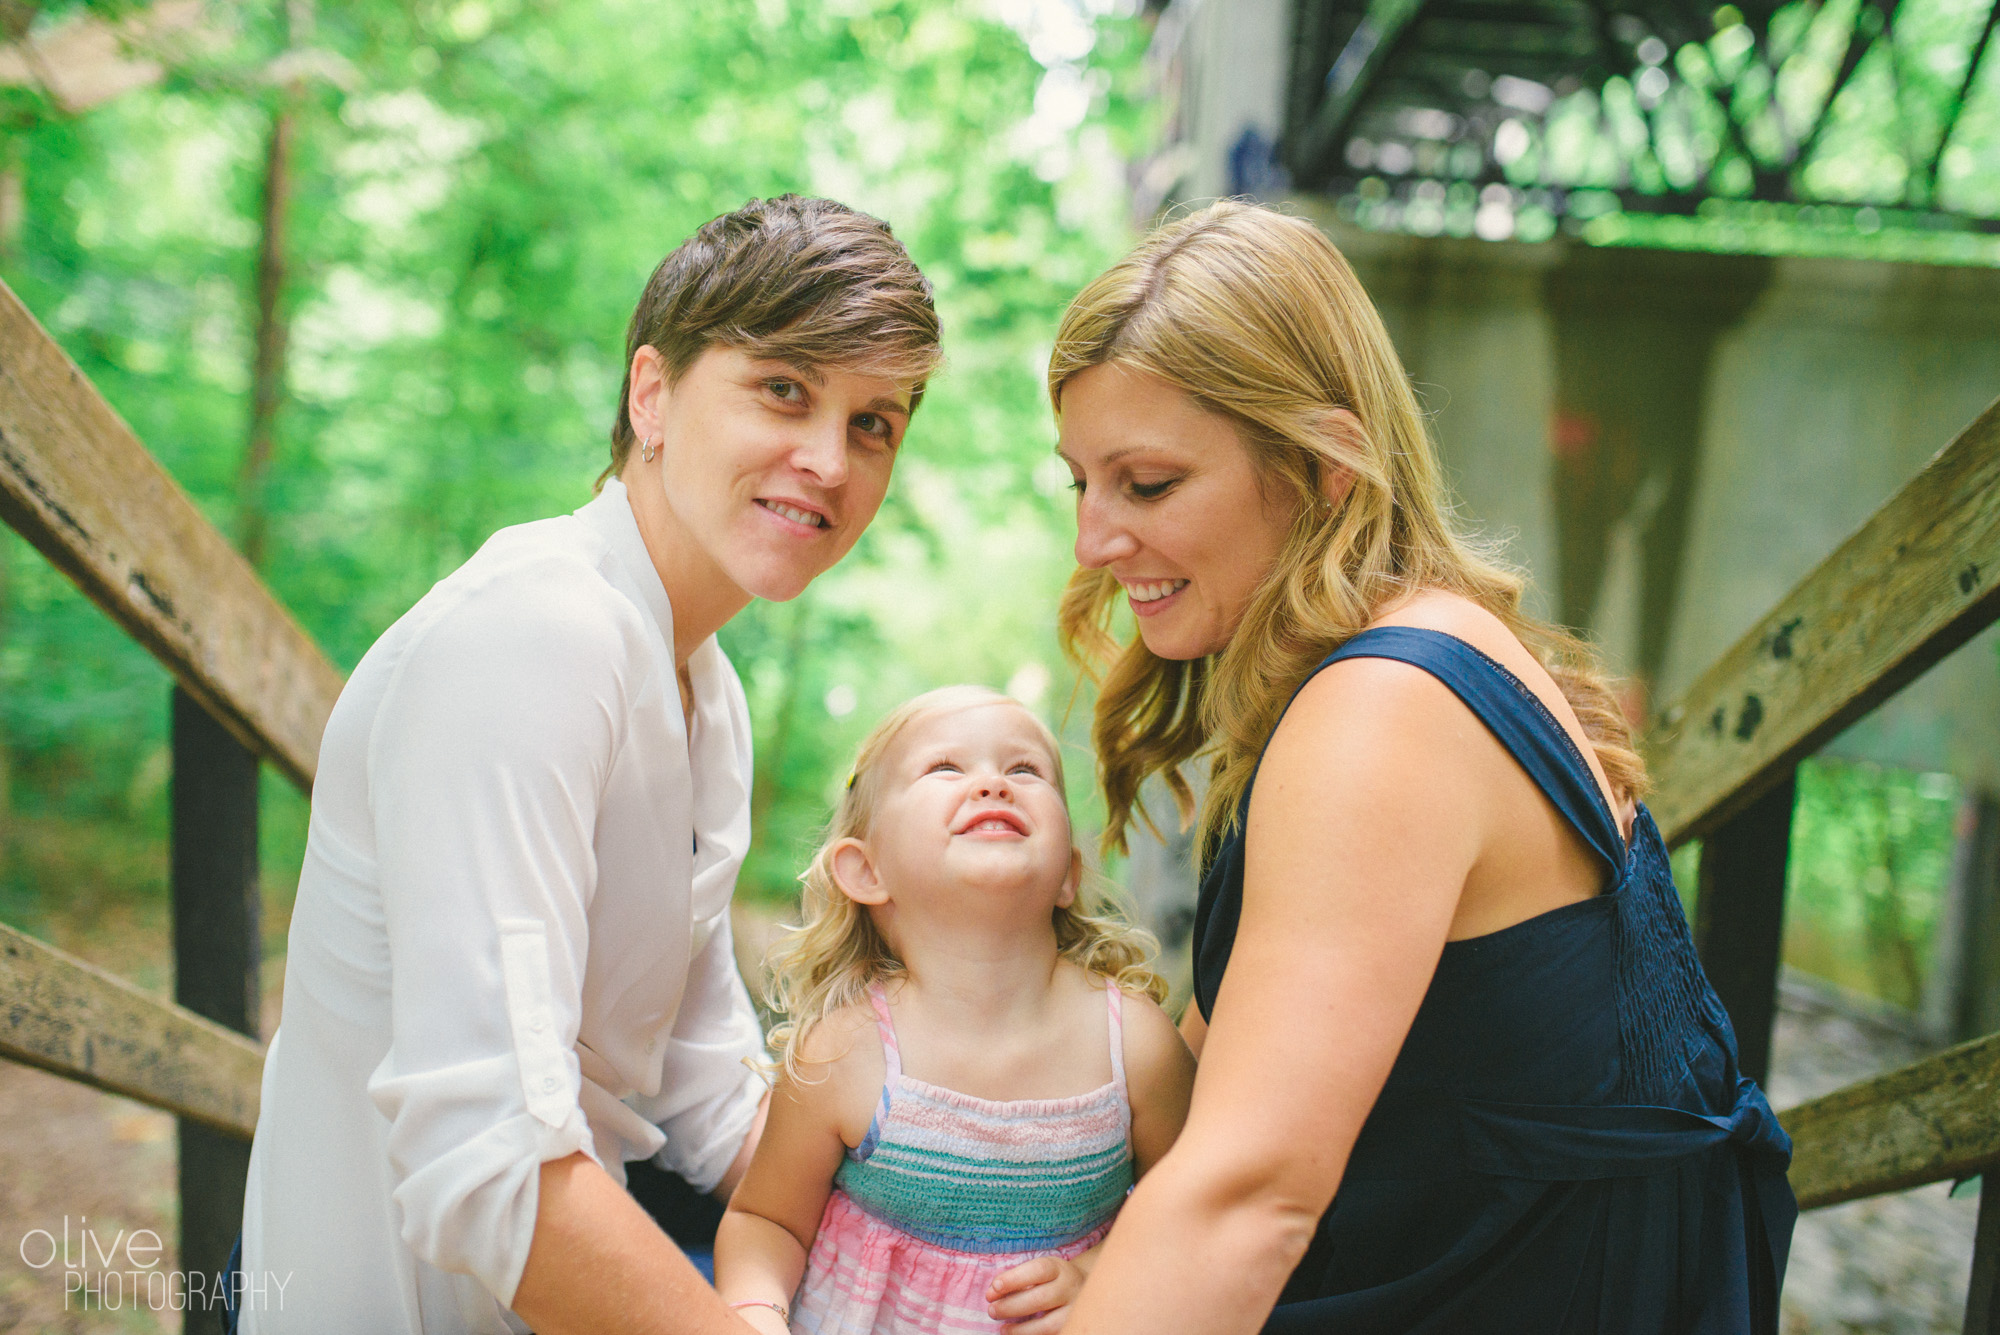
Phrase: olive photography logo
pixel 123 1270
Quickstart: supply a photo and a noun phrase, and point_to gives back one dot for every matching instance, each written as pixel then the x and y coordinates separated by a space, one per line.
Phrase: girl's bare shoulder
pixel 1154 1050
pixel 840 1067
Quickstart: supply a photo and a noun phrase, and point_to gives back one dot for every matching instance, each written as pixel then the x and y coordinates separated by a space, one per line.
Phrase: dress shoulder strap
pixel 892 1073
pixel 1515 716
pixel 892 1055
pixel 1114 1007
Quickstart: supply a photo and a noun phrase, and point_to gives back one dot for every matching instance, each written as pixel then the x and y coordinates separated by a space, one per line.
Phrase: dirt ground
pixel 69 1153
pixel 1892 1266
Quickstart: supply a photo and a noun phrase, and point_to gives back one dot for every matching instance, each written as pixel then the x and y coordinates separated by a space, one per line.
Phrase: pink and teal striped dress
pixel 947 1190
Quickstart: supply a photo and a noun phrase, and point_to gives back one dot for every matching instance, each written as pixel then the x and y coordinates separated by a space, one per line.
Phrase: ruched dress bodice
pixel 1564 1143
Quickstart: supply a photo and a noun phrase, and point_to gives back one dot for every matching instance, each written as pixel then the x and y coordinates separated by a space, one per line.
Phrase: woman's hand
pixel 1035 1294
pixel 598 1262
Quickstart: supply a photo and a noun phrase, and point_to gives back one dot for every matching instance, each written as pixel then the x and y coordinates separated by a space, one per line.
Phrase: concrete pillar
pixel 1962 999
pixel 1635 336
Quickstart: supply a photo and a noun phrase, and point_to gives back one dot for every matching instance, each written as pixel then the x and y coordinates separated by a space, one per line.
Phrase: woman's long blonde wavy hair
pixel 1256 316
pixel 826 963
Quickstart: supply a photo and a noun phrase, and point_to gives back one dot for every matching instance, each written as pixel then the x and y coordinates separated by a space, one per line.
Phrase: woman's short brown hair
pixel 802 280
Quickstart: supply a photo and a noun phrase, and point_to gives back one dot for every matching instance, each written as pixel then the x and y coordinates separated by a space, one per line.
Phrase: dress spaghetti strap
pixel 892 1072
pixel 1515 716
pixel 1114 1007
pixel 892 1053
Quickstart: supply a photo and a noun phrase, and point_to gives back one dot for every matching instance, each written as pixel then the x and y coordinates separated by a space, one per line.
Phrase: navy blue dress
pixel 1564 1143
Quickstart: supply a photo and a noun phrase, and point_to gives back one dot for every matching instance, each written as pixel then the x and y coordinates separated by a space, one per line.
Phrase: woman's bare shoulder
pixel 1454 614
pixel 1460 617
pixel 1384 735
pixel 1359 692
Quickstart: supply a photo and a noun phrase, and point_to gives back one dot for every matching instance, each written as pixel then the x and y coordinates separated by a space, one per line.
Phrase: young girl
pixel 973 1072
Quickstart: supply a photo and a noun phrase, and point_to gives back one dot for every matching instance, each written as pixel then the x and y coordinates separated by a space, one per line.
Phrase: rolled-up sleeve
pixel 711 1083
pixel 486 764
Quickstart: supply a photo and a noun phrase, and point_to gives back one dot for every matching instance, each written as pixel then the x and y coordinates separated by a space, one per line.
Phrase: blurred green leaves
pixel 480 191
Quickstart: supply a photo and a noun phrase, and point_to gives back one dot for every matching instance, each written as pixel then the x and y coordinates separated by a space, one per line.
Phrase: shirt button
pixel 549 1083
pixel 537 1025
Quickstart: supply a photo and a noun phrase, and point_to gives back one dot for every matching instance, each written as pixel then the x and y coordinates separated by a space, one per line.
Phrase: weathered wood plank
pixel 77 483
pixel 1982 1294
pixel 1928 1122
pixel 212 880
pixel 76 1020
pixel 1917 580
pixel 216 908
pixel 1739 919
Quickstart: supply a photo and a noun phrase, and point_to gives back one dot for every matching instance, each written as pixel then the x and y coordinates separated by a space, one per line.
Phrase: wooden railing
pixel 250 685
pixel 1920 578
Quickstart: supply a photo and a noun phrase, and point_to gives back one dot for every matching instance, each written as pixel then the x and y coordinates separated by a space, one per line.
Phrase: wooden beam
pixel 1920 578
pixel 1739 919
pixel 78 1021
pixel 77 484
pixel 213 880
pixel 1962 991
pixel 215 902
pixel 1928 1122
pixel 1982 1295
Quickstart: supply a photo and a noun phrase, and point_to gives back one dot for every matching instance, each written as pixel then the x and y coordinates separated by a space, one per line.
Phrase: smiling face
pixel 1168 500
pixel 765 474
pixel 968 802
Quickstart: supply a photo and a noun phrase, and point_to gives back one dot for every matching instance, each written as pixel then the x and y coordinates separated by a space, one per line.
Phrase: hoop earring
pixel 648 449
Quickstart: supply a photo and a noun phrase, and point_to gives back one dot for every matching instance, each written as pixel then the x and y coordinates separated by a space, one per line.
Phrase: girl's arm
pixel 1194 1028
pixel 1362 832
pixel 1159 1073
pixel 1159 1076
pixel 761 1245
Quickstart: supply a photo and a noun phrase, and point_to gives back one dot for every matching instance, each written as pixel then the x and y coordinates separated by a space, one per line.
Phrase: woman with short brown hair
pixel 510 966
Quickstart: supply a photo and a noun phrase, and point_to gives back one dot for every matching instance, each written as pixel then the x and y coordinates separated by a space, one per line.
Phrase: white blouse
pixel 511 940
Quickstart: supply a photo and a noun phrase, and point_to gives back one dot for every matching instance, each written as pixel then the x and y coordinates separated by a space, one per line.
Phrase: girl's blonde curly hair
pixel 826 963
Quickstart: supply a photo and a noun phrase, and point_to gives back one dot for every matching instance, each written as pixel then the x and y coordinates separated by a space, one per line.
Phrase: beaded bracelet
pixel 783 1315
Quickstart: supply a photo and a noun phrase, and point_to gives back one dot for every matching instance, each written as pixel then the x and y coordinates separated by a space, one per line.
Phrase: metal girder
pixel 1973 61
pixel 1381 34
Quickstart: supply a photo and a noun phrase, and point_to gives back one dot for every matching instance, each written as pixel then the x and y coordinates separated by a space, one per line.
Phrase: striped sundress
pixel 946 1191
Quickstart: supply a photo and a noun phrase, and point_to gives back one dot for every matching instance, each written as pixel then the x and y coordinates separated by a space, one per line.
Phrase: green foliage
pixel 1865 880
pixel 1871 848
pixel 478 193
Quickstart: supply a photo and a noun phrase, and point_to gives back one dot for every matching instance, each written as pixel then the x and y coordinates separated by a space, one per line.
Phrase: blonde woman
pixel 1460 1068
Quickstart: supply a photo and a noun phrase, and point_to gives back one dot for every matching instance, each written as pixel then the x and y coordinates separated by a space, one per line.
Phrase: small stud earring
pixel 649 449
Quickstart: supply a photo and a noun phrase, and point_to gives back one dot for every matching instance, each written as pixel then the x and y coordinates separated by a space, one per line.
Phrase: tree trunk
pixel 267 376
pixel 6 769
pixel 13 202
pixel 770 776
